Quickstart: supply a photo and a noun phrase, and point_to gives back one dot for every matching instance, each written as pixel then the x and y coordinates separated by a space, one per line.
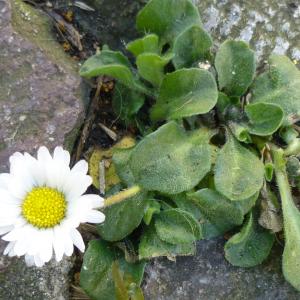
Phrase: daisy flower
pixel 42 204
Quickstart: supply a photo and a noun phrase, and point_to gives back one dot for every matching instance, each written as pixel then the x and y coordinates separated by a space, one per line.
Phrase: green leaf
pixel 241 132
pixel 264 118
pixel 235 64
pixel 223 102
pixel 122 218
pixel 121 159
pixel 185 93
pixel 239 173
pixel 152 246
pixel 191 46
pixel 269 171
pixel 249 247
pixel 222 213
pixel 280 85
pixel 167 18
pixel 176 226
pixel 151 67
pixel 148 43
pixel 171 161
pixel 291 223
pixel 152 209
pixel 126 103
pixel 96 276
pixel 110 63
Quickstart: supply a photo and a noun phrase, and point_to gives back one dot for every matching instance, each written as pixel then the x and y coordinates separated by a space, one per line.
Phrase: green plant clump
pixel 216 139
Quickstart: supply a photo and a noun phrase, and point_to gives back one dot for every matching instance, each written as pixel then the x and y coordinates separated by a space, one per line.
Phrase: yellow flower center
pixel 44 207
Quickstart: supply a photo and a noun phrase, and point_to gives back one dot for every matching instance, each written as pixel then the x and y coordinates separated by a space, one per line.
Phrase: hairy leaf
pixel 146 44
pixel 110 63
pixel 291 223
pixel 280 85
pixel 191 46
pixel 151 67
pixel 176 226
pixel 264 118
pixel 222 213
pixel 235 64
pixel 167 18
pixel 185 93
pixel 249 247
pixel 171 161
pixel 122 218
pixel 126 102
pixel 152 246
pixel 96 277
pixel 121 159
pixel 239 173
pixel 152 209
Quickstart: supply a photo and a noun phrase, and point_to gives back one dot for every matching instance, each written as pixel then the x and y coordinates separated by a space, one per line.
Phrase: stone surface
pixel 269 26
pixel 209 276
pixel 40 104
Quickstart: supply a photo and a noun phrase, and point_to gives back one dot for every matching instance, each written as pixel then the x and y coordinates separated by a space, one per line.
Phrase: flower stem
pixel 282 181
pixel 293 148
pixel 123 195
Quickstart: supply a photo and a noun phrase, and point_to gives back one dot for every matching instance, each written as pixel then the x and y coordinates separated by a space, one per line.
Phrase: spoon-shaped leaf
pixel 171 161
pixel 152 246
pixel 239 173
pixel 280 85
pixel 264 118
pixel 191 46
pixel 148 43
pixel 167 18
pixel 291 224
pixel 185 93
pixel 151 67
pixel 176 226
pixel 110 63
pixel 235 64
pixel 249 247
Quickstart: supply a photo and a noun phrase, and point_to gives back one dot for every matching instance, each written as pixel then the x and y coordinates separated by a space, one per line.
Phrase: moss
pixel 36 26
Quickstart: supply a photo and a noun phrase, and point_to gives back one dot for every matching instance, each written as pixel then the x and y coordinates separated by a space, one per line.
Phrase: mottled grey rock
pixel 40 104
pixel 269 26
pixel 208 276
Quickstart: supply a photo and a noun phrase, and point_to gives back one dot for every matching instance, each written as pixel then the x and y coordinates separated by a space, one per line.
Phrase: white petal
pixel 29 259
pixel 4 179
pixel 20 170
pixel 77 239
pixel 24 244
pixel 38 261
pixel 16 161
pixel 61 156
pixel 45 252
pixel 58 243
pixel 14 235
pixel 94 216
pixel 69 248
pixel 35 242
pixel 8 248
pixel 75 185
pixel 5 229
pixel 93 200
pixel 43 155
pixel 80 167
